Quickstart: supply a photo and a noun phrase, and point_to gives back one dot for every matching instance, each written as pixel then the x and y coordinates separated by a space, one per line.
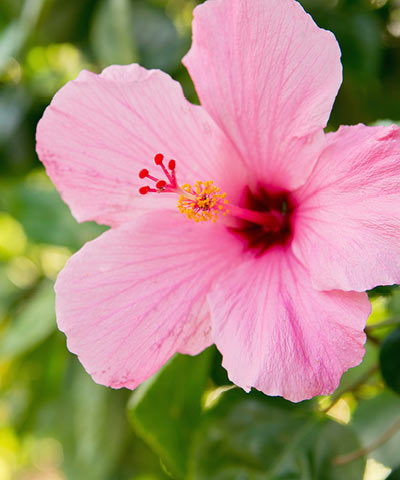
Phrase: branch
pixel 356 454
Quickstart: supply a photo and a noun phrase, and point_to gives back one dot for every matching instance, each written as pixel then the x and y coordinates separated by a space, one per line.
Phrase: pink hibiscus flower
pixel 302 223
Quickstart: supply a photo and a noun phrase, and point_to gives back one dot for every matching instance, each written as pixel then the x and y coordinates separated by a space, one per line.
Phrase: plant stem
pixel 356 454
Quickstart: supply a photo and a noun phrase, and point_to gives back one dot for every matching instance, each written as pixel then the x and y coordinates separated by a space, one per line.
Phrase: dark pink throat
pixel 259 238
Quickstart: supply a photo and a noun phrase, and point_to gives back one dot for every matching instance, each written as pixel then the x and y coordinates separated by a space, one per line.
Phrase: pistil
pixel 271 220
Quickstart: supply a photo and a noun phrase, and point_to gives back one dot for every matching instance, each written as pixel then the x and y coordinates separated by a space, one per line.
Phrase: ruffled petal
pixel 347 225
pixel 101 130
pixel 133 297
pixel 279 335
pixel 268 76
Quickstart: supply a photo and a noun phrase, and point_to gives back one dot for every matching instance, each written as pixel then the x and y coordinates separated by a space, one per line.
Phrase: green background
pixel 185 422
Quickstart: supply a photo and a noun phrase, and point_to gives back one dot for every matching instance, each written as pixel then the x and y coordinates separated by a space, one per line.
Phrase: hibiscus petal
pixel 268 76
pixel 279 335
pixel 130 299
pixel 347 225
pixel 101 130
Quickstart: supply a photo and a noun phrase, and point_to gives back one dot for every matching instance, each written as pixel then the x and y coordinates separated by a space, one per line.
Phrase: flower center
pixel 258 238
pixel 264 219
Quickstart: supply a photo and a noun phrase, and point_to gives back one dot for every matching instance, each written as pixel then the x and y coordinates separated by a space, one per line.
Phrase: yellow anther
pixel 203 202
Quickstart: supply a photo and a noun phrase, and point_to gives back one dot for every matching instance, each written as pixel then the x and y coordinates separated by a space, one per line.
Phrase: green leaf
pixel 166 409
pixel 13 106
pixel 96 429
pixel 157 39
pixel 390 360
pixel 111 35
pixel 31 325
pixel 372 418
pixel 35 203
pixel 253 437
pixel 12 237
pixel 8 292
pixel 394 303
pixel 395 475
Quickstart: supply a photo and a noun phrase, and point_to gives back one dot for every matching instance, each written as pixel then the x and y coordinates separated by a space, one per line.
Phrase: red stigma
pixel 143 173
pixel 144 190
pixel 172 164
pixel 161 184
pixel 168 185
pixel 158 159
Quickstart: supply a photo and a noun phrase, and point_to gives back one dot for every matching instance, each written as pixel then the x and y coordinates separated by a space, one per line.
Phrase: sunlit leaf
pixel 50 67
pixel 12 237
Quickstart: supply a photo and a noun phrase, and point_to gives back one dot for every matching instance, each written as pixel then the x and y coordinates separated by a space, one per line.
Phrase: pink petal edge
pixel 347 226
pixel 279 335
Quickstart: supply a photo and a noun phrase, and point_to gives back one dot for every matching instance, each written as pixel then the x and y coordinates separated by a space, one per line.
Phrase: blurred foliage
pixel 188 422
pixel 395 475
pixel 390 360
pixel 166 410
pixel 264 437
